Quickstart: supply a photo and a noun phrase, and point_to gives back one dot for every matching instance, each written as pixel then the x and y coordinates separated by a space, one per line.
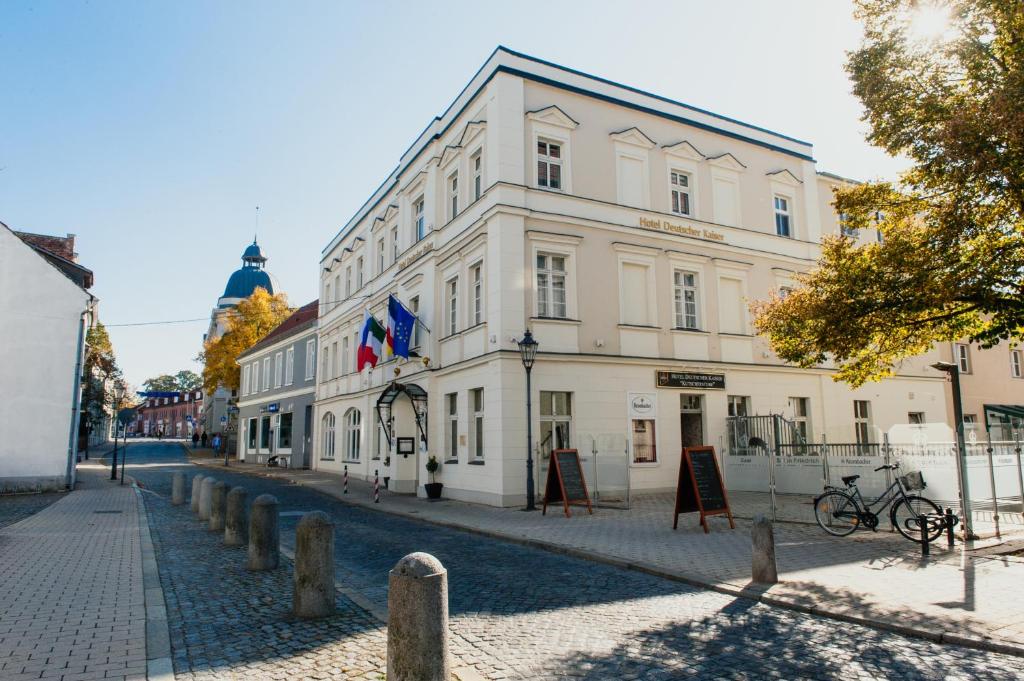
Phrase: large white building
pixel 628 232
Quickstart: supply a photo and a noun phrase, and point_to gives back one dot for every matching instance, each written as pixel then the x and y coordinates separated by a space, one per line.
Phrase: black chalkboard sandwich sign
pixel 700 488
pixel 565 481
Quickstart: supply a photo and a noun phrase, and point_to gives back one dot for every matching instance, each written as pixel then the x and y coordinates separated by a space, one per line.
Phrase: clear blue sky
pixel 152 129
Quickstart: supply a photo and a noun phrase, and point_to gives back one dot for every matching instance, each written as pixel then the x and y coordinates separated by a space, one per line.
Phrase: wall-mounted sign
pixel 274 407
pixel 685 379
pixel 406 445
pixel 642 405
pixel 663 225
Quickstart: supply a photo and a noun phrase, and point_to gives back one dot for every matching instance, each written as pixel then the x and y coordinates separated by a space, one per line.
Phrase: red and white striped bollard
pixel 376 487
pixel 344 482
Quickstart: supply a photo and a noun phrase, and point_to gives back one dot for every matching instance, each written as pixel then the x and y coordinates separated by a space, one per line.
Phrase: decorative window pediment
pixel 553 115
pixel 473 128
pixel 414 181
pixel 634 136
pixel 390 212
pixel 684 150
pixel 785 177
pixel 450 154
pixel 727 160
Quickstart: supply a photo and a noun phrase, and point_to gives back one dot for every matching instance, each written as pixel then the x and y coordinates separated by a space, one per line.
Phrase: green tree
pixel 188 380
pixel 100 377
pixel 951 262
pixel 183 381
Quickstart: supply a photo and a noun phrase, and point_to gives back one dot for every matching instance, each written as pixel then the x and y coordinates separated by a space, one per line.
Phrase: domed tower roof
pixel 244 281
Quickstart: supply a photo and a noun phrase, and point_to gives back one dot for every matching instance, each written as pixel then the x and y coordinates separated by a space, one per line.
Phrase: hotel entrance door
pixel 691 420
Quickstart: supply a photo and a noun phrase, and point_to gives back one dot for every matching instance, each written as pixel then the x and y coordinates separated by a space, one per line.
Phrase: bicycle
pixel 841 511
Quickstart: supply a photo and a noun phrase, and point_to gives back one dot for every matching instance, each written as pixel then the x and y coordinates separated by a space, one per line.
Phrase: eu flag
pixel 400 325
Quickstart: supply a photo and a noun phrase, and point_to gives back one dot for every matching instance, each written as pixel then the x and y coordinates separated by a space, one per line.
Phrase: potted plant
pixel 387 469
pixel 433 488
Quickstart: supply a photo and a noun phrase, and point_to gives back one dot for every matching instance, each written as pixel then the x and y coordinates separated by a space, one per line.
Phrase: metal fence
pixel 605 461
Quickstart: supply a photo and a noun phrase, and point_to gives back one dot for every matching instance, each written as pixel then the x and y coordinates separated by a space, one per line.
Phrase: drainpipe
pixel 76 397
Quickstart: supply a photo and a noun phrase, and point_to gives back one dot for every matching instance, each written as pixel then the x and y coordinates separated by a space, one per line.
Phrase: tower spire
pixel 256 231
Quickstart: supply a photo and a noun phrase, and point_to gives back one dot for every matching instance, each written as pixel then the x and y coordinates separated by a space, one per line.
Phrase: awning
pixel 418 397
pixel 1010 411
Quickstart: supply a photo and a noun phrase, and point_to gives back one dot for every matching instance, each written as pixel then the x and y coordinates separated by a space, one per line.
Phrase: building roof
pixel 59 251
pixel 301 320
pixel 244 281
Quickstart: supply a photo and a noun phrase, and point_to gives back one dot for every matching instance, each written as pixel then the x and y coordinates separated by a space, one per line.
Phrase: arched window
pixel 327 436
pixel 353 428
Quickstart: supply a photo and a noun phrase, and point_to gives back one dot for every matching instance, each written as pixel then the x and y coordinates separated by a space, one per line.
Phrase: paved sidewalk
pixel 72 605
pixel 876 579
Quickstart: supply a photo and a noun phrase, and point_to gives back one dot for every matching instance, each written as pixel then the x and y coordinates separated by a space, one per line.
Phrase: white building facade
pixel 629 233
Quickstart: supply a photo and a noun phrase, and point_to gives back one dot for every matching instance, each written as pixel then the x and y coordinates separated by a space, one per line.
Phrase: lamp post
pixel 118 396
pixel 528 353
pixel 961 457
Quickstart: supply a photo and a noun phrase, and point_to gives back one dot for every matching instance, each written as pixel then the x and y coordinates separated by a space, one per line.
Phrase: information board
pixel 686 379
pixel 565 481
pixel 700 488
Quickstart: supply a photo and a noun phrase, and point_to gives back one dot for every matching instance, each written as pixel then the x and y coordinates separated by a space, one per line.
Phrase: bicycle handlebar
pixel 890 466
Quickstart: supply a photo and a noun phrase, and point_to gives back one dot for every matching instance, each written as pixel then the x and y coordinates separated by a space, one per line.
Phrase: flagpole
pixel 416 317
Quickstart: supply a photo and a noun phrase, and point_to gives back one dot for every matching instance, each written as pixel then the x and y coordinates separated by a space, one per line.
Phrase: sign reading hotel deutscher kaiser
pixel 673 228
pixel 684 379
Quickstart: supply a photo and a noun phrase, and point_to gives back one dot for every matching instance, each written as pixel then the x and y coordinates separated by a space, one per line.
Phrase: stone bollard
pixel 178 489
pixel 418 620
pixel 218 502
pixel 264 549
pixel 763 567
pixel 235 521
pixel 197 483
pixel 313 595
pixel 205 494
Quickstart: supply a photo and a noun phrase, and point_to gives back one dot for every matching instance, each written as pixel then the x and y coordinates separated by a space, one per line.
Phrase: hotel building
pixel 628 232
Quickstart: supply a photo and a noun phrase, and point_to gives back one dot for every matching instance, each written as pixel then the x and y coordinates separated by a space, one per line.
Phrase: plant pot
pixel 433 489
pixel 386 478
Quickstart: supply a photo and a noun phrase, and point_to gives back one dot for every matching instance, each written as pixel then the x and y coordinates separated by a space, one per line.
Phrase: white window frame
pixel 548 162
pixel 675 190
pixel 277 433
pixel 1016 368
pixel 476 282
pixel 785 211
pixel 255 378
pixel 266 373
pixel 630 257
pixel 359 273
pixel 804 419
pixel 476 169
pixel 476 429
pixel 862 423
pixel 545 297
pixel 353 435
pixel 381 256
pixel 345 350
pixel 334 359
pixel 414 307
pixel 451 192
pixel 679 313
pixel 451 305
pixel 419 220
pixel 246 371
pixel 451 427
pixel 327 436
pixel 394 244
pixel 289 366
pixel 348 282
pixel 962 355
pixel 278 369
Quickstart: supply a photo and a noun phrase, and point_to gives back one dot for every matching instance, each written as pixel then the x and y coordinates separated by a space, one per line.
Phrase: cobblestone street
pixel 517 612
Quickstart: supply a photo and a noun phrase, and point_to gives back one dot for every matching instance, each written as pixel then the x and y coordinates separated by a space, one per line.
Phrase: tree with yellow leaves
pixel 254 318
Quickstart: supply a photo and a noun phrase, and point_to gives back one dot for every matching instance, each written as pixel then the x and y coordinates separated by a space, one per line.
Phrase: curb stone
pixel 159 666
pixel 936 635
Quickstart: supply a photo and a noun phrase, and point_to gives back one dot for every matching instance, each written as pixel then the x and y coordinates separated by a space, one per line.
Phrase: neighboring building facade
pixel 992 378
pixel 278 387
pixel 629 233
pixel 45 311
pixel 174 417
pixel 220 406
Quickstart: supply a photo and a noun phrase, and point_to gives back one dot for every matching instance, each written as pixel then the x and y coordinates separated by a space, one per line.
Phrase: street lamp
pixel 961 458
pixel 528 353
pixel 118 396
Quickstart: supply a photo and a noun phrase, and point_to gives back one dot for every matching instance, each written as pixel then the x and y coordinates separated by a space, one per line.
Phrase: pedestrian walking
pixel 216 443
pixel 195 439
pixel 204 439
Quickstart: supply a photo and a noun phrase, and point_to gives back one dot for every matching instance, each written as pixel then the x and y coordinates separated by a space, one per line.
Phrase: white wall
pixel 40 309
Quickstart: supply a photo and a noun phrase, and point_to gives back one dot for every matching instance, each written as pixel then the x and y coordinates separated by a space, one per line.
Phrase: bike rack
pixel 936 521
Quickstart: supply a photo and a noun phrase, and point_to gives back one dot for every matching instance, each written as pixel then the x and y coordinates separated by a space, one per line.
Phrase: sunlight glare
pixel 930 22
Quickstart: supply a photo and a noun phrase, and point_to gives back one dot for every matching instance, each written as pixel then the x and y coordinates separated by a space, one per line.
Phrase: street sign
pixel 223 419
pixel 188 417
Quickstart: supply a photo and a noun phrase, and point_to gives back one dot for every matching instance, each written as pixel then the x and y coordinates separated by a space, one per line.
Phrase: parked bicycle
pixel 840 511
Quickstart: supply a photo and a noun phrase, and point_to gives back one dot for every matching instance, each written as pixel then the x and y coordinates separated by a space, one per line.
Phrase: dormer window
pixel 549 164
pixel 419 226
pixel 453 195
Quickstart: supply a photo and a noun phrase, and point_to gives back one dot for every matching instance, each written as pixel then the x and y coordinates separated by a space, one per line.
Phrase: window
pixel 451 427
pixel 359 272
pixel 1015 363
pixel 782 217
pixel 970 421
pixel 645 447
pixel 962 358
pixel 278 369
pixel 265 433
pixel 255 377
pixel 549 164
pixel 382 443
pixel 266 373
pixel 353 430
pixel 477 279
pixel 739 405
pixel 337 291
pixel 325 370
pixel 348 281
pixel 414 307
pixel 245 379
pixel 453 195
pixel 452 308
pixel 686 300
pixel 344 356
pixel 879 217
pixel 801 414
pixel 478 179
pixel 310 358
pixel 334 359
pixel 327 436
pixel 679 186
pixel 380 255
pixel 289 366
pixel 845 229
pixel 862 421
pixel 251 429
pixel 915 418
pixel 551 285
pixel 394 244
pixel 555 421
pixel 284 431
pixel 419 227
pixel 476 431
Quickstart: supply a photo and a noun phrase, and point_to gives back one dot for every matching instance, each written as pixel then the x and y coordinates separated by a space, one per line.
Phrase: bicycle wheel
pixel 904 515
pixel 836 513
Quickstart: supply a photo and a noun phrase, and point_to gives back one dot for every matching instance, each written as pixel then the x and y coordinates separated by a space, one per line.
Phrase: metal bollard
pixel 763 566
pixel 264 537
pixel 205 494
pixel 313 591
pixel 344 482
pixel 218 503
pixel 376 487
pixel 197 483
pixel 923 522
pixel 418 620
pixel 177 489
pixel 949 527
pixel 235 520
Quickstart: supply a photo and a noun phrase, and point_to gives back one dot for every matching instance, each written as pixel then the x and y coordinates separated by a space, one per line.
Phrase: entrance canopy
pixel 418 397
pixel 1014 413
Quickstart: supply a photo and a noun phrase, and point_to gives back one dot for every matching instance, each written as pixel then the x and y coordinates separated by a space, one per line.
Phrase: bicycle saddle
pixel 847 479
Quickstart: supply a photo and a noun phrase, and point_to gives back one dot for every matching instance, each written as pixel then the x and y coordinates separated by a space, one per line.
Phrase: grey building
pixel 277 389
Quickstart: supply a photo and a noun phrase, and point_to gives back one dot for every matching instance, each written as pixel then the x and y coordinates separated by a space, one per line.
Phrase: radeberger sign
pixel 663 225
pixel 684 379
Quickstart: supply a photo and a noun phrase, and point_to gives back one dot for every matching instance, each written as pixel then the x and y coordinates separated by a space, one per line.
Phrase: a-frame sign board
pixel 700 488
pixel 565 481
